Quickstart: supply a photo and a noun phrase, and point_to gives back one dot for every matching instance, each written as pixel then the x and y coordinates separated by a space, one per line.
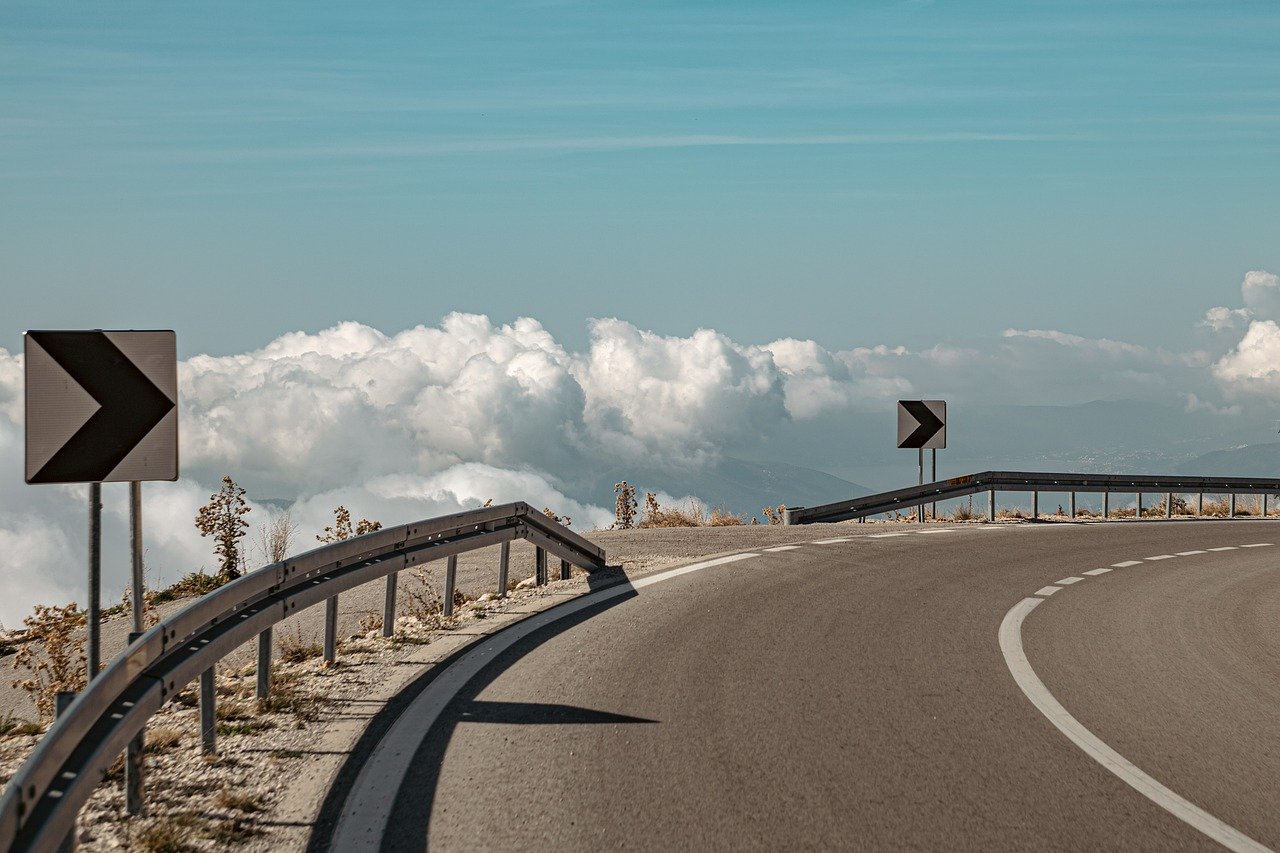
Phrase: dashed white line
pixel 1225 548
pixel 884 535
pixel 1257 545
pixel 1190 553
pixel 1069 581
pixel 1161 557
pixel 1126 564
pixel 1034 689
pixel 1047 590
pixel 944 530
pixel 1097 571
pixel 778 548
pixel 830 541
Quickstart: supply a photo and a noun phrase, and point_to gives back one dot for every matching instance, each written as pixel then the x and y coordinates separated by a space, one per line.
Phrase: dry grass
pixel 162 738
pixel 238 801
pixel 294 648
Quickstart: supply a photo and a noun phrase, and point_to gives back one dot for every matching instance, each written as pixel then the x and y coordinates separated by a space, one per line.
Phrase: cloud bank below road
pixel 439 418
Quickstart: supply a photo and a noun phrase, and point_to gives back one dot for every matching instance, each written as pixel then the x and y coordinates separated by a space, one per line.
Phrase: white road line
pixel 1190 553
pixel 1258 545
pixel 1034 689
pixel 944 530
pixel 884 535
pixel 1097 571
pixel 1161 557
pixel 362 823
pixel 1126 564
pixel 1225 548
pixel 1047 590
pixel 830 541
pixel 1069 581
pixel 778 548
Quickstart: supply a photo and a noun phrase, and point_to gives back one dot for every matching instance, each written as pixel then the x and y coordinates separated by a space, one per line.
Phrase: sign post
pixel 922 425
pixel 101 407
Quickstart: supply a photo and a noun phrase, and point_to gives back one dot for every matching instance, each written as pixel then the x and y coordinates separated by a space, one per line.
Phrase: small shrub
pixel 342 529
pixel 248 727
pixel 964 512
pixel 233 831
pixel 721 517
pixel 162 738
pixel 558 519
pixel 295 649
pixel 193 584
pixel 11 726
pixel 223 519
pixel 238 801
pixel 370 622
pixel 286 698
pixel 167 834
pixel 776 515
pixel 658 516
pixel 53 655
pixel 624 506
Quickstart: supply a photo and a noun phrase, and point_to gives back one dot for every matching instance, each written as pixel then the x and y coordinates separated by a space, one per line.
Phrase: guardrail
pixel 42 800
pixel 915 497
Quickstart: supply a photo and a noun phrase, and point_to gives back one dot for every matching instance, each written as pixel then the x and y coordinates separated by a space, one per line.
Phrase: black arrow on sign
pixel 929 423
pixel 131 406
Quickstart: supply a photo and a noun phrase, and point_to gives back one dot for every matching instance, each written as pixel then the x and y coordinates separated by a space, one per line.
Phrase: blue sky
pixel 855 173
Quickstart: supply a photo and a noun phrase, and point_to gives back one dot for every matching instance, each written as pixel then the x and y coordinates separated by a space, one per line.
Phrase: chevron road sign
pixel 101 406
pixel 922 424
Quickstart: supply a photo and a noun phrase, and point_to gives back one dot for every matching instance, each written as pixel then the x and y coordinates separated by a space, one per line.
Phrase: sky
pixel 419 256
pixel 852 172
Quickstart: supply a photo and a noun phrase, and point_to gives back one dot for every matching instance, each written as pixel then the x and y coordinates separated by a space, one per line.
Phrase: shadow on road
pixel 411 814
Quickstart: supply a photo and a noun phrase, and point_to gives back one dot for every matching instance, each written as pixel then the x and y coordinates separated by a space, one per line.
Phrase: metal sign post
pixel 922 424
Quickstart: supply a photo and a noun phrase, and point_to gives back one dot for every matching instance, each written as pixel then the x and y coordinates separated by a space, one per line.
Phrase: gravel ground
pixel 274 766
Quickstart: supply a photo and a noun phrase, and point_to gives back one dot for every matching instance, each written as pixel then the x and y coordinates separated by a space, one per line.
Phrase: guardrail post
pixel 1264 504
pixel 450 581
pixel 133 791
pixel 1035 504
pixel 208 713
pixel 389 606
pixel 61 702
pixel 991 506
pixel 1139 515
pixel 504 568
pixel 1168 505
pixel 1200 504
pixel 1072 505
pixel 264 664
pixel 331 629
pixel 1106 500
pixel 540 566
pixel 1233 505
pixel 564 570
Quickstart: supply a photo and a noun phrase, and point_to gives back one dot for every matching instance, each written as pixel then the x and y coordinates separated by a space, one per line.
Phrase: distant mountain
pixel 1252 460
pixel 739 485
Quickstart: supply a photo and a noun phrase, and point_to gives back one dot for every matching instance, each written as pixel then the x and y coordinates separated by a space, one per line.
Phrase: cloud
pixel 1261 292
pixel 1254 365
pixel 1224 319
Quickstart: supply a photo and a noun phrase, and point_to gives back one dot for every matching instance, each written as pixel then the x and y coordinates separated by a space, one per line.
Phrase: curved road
pixel 855 694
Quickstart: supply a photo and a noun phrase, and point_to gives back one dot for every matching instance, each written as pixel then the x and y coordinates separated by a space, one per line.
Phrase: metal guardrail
pixel 915 497
pixel 42 800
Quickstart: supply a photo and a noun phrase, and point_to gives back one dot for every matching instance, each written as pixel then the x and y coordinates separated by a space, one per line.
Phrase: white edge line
pixel 778 548
pixel 1068 581
pixel 1190 553
pixel 1225 548
pixel 885 535
pixel 944 530
pixel 1048 590
pixel 362 823
pixel 1034 689
pixel 1126 564
pixel 1161 557
pixel 1096 572
pixel 830 541
pixel 1258 545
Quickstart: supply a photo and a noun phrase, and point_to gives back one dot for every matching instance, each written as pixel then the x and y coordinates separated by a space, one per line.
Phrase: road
pixel 856 694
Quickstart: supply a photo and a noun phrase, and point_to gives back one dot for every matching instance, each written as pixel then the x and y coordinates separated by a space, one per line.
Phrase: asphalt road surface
pixel 860 694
